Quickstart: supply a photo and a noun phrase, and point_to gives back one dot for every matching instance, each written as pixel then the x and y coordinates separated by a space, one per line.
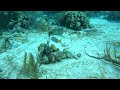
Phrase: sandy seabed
pixel 84 67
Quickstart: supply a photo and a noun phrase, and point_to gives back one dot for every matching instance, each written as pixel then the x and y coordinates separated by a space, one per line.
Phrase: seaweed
pixel 39 58
pixel 30 67
pixel 107 56
pixel 25 63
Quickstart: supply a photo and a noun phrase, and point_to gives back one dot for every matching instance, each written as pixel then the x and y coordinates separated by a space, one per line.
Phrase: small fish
pixel 56 32
pixel 56 40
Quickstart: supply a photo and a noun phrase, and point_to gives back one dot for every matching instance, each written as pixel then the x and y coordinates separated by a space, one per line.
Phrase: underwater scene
pixel 59 44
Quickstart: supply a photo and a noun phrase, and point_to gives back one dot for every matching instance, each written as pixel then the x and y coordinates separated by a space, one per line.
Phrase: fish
pixel 56 40
pixel 56 32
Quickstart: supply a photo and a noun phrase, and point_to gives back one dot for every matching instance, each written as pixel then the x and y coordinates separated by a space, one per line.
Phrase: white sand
pixel 84 67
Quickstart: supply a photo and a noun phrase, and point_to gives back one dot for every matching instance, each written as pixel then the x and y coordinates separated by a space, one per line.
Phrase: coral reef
pixel 15 20
pixel 51 54
pixel 76 20
pixel 6 17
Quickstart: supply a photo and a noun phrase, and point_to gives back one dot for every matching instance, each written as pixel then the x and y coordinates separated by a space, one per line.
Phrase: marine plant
pixel 25 63
pixel 30 67
pixel 33 67
pixel 107 56
pixel 39 58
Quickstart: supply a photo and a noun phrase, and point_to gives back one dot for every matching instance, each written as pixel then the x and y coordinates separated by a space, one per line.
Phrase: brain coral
pixel 76 20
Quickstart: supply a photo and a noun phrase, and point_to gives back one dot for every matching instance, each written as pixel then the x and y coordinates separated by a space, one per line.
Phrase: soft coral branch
pixel 107 56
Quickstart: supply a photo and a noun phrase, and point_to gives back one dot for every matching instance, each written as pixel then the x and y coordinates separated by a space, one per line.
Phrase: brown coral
pixel 76 20
pixel 51 54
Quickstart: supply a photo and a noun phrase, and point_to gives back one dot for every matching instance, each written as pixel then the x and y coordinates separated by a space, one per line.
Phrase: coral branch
pixel 107 56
